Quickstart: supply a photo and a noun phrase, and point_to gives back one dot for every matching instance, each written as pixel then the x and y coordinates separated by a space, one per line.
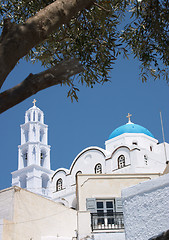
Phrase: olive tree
pixel 78 41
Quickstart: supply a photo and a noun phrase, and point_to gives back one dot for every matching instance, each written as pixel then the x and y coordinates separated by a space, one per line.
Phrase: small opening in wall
pixel 146 159
pixel 59 184
pixel 135 143
pixel 29 117
pixel 42 159
pixel 98 168
pixel 121 161
pixel 34 116
pixel 151 148
pixel 25 159
pixel 39 117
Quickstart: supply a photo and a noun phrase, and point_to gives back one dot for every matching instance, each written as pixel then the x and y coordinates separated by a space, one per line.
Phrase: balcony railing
pixel 107 221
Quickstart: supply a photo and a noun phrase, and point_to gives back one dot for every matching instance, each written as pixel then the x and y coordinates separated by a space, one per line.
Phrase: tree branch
pixel 37 82
pixel 18 39
pixel 101 7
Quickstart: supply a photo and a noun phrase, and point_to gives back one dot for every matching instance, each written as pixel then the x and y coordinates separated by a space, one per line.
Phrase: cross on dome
pixel 34 101
pixel 128 116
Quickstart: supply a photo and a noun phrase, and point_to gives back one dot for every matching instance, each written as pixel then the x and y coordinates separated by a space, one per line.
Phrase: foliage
pixel 94 37
pixel 148 36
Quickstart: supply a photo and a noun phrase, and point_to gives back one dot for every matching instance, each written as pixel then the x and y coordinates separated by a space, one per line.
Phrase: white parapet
pixel 145 208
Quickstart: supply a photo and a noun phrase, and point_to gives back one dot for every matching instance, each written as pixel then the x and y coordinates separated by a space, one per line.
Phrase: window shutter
pixel 91 205
pixel 118 205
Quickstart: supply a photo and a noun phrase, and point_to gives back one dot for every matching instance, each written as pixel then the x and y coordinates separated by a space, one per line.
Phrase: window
pixel 59 184
pixel 105 214
pixel 105 206
pixel 151 148
pixel 121 161
pixel 98 168
pixel 42 158
pixel 25 159
pixel 134 143
pixel 33 115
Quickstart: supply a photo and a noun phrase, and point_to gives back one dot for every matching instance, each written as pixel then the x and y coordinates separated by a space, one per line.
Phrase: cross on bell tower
pixel 34 101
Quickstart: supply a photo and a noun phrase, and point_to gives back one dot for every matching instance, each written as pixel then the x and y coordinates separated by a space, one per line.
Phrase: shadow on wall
pixel 162 236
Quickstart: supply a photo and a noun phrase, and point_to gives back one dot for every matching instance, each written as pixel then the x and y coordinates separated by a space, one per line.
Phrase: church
pixel 91 188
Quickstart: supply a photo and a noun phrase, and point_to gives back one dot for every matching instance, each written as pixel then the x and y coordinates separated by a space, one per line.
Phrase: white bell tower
pixel 34 171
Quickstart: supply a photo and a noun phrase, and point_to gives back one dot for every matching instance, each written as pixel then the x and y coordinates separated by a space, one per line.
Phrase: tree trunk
pixel 18 39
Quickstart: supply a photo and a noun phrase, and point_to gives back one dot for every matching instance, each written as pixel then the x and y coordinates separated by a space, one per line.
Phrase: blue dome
pixel 130 128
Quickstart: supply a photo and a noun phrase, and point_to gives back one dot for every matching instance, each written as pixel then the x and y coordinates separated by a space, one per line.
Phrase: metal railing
pixel 107 221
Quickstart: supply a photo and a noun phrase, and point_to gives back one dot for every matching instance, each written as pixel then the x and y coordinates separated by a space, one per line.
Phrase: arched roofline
pixel 60 170
pixel 130 149
pixel 34 108
pixel 84 151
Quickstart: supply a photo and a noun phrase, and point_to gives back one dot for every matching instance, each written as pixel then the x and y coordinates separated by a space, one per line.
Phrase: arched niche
pixel 45 180
pixel 25 158
pixel 39 117
pixel 26 135
pixel 42 157
pixel 41 135
pixel 23 181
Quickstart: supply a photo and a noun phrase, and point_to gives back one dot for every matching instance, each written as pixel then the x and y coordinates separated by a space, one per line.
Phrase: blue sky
pixel 75 126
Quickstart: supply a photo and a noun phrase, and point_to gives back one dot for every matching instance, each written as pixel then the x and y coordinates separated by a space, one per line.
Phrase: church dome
pixel 130 128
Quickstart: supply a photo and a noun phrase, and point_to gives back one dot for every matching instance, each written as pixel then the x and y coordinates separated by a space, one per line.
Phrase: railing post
pixel 106 221
pixel 92 221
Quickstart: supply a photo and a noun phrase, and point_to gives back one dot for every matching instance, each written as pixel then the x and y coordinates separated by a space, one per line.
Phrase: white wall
pixel 35 217
pixel 1 228
pixel 146 208
pixel 105 186
pixel 6 203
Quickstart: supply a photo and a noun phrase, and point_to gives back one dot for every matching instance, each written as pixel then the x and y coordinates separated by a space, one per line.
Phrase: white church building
pixel 92 186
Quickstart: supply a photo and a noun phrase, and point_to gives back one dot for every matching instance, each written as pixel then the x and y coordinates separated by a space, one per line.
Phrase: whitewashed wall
pixel 6 203
pixel 1 228
pixel 34 217
pixel 146 208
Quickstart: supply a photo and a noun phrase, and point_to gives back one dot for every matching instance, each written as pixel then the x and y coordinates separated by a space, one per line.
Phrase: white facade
pixel 25 215
pixel 129 152
pixel 145 208
pixel 96 177
pixel 146 157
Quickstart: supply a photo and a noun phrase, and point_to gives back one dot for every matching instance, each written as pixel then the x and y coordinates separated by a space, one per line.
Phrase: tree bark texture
pixel 36 82
pixel 18 39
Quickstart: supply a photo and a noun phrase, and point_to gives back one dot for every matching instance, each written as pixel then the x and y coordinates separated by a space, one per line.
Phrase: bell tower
pixel 34 171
